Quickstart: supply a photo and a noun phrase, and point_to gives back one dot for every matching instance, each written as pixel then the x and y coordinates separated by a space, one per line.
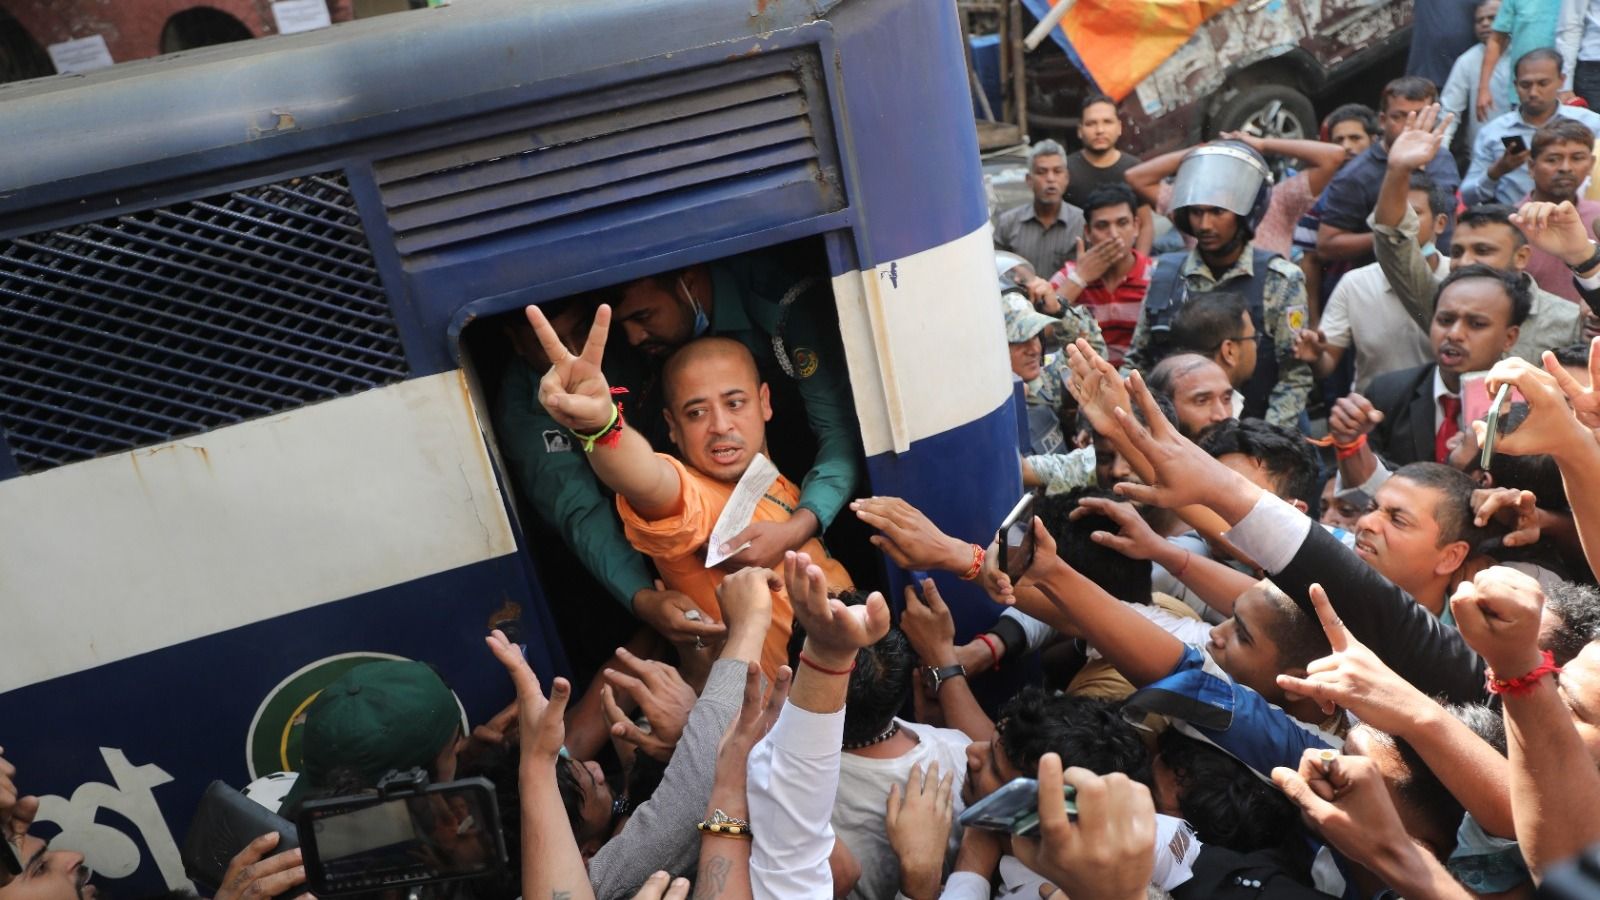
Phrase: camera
pixel 408 832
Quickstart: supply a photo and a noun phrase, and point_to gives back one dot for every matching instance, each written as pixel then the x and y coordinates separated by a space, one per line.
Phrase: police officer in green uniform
pixel 758 301
pixel 1219 196
pixel 548 468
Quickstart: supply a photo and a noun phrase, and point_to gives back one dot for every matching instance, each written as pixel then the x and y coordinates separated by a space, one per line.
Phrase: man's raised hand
pixel 834 631
pixel 1352 677
pixel 1421 139
pixel 574 391
pixel 1185 474
pixel 1096 386
pixel 1555 228
pixel 541 727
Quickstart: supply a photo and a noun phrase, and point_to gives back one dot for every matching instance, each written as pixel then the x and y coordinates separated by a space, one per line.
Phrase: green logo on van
pixel 274 741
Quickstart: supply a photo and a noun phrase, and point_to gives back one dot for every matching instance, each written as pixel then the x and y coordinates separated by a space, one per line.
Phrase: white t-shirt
pixel 1366 313
pixel 858 810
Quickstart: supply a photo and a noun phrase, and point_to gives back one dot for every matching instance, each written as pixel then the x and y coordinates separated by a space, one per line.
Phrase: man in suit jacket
pixel 1410 415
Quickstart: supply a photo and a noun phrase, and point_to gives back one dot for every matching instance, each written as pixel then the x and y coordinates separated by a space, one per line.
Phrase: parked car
pixel 1260 65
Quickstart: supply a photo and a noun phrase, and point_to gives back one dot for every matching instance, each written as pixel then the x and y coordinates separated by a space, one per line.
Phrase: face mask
pixel 1429 249
pixel 702 323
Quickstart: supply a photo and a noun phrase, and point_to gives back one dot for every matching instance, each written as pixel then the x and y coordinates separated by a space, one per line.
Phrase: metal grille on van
pixel 563 170
pixel 146 327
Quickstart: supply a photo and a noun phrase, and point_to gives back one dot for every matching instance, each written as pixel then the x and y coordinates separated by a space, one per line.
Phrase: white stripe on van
pixel 105 559
pixel 925 342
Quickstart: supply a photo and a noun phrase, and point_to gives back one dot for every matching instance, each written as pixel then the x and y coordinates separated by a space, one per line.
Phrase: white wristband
pixel 1077 279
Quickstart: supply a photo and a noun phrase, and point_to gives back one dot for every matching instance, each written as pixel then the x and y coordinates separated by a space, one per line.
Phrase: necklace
pixel 894 729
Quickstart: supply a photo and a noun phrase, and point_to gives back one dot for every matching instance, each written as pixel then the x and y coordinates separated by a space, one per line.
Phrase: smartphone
pixel 1015 539
pixel 1492 426
pixel 1013 809
pixel 401 835
pixel 1514 143
pixel 223 824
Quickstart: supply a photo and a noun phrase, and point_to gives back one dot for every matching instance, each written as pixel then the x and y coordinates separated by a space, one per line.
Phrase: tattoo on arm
pixel 713 878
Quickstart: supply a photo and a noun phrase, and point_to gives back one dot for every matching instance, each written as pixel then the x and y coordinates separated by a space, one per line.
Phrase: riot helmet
pixel 1228 175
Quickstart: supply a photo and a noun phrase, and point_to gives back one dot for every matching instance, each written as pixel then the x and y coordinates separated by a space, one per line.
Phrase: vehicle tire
pixel 1267 110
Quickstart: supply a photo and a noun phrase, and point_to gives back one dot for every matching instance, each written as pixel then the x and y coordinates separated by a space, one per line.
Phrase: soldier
pixel 1218 198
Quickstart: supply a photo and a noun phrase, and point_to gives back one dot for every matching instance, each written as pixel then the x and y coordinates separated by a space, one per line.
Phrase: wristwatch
pixel 1590 263
pixel 934 676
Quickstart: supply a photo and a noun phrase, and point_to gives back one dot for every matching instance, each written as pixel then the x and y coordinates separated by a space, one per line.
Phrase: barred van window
pixel 151 326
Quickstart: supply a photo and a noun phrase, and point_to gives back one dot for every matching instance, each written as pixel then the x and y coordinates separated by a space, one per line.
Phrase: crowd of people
pixel 1303 609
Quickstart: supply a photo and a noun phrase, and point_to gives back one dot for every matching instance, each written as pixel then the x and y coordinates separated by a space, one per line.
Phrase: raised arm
pixel 1352 677
pixel 1394 241
pixel 1555 790
pixel 1135 646
pixel 546 834
pixel 1146 177
pixel 1492 51
pixel 575 393
pixel 1322 159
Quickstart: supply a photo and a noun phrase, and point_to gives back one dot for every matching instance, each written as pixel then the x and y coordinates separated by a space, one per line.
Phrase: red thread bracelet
pixel 1185 567
pixel 1351 449
pixel 812 663
pixel 994 654
pixel 1524 684
pixel 978 554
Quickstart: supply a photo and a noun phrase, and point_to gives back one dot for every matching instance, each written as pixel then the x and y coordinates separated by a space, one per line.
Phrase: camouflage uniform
pixel 1023 322
pixel 1283 304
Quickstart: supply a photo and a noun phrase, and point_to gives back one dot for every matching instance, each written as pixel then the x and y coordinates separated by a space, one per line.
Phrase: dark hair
pixel 1285 455
pixel 1108 195
pixel 1453 510
pixel 1420 791
pixel 1298 634
pixel 1355 112
pixel 1561 130
pixel 1492 214
pixel 1578 608
pixel 1484 721
pixel 571 793
pixel 1575 355
pixel 1409 87
pixel 1121 577
pixel 1228 804
pixel 1090 100
pixel 1441 200
pixel 1207 319
pixel 1512 283
pixel 880 683
pixel 1085 732
pixel 1549 54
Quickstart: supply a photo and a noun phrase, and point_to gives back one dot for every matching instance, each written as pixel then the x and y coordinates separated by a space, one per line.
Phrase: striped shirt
pixel 1019 231
pixel 1116 309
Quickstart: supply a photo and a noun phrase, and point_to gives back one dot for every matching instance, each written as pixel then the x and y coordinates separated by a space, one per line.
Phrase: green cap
pixel 376 718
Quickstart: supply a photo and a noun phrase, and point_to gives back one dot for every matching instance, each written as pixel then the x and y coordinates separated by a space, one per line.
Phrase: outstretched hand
pixel 1498 612
pixel 1551 426
pixel 541 727
pixel 1555 228
pixel 1585 400
pixel 1096 386
pixel 1421 138
pixel 833 631
pixel 1184 474
pixel 574 391
pixel 1353 677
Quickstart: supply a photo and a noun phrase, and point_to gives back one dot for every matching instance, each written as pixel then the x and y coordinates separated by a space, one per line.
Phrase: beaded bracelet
pixel 723 825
